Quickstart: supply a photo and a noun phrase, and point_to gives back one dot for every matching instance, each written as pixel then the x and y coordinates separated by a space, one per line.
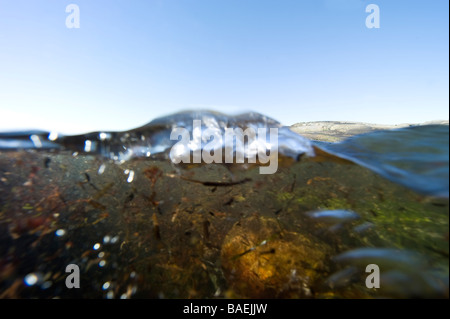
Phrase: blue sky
pixel 293 60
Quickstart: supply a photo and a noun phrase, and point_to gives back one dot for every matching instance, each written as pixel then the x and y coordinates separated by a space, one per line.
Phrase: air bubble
pixel 130 177
pixel 87 146
pixel 101 169
pixel 31 279
pixel 106 239
pixel 53 136
pixel 104 136
pixel 36 141
pixel 46 285
pixel 60 232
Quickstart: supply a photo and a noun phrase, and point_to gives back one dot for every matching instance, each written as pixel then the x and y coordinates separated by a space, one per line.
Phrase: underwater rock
pixel 261 260
pixel 139 225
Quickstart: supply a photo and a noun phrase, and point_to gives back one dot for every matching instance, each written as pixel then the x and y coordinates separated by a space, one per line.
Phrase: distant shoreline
pixel 335 131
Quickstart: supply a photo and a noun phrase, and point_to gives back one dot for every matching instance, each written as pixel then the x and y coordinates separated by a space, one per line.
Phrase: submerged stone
pixel 262 260
pixel 148 228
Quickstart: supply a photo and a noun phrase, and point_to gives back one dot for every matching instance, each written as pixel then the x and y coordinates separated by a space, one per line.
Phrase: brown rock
pixel 261 260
